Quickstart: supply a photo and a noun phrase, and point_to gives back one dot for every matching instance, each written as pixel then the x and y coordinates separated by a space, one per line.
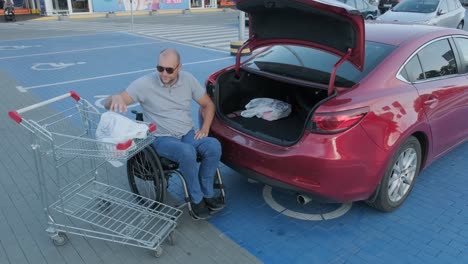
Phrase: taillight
pixel 335 122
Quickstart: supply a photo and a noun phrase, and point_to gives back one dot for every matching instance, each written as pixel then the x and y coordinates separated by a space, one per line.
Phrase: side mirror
pixel 441 12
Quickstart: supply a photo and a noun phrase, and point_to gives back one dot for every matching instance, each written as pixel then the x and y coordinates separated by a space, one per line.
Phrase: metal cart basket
pixel 73 171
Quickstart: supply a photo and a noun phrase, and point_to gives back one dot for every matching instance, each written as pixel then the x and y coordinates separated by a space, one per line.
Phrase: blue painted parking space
pixel 431 226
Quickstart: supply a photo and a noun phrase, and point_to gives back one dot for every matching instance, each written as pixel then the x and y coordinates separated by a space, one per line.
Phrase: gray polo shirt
pixel 168 107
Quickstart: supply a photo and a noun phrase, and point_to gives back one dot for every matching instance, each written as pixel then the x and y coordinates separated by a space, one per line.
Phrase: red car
pixel 371 105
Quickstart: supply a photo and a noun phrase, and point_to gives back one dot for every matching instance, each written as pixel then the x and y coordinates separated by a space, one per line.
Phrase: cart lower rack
pixel 125 217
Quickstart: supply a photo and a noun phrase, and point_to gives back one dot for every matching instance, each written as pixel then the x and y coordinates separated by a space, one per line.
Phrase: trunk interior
pixel 234 93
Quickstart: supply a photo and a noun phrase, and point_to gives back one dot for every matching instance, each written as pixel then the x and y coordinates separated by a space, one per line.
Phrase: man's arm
pixel 118 102
pixel 208 111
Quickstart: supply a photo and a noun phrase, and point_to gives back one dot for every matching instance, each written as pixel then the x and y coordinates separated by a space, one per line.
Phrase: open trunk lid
pixel 327 24
pixel 322 24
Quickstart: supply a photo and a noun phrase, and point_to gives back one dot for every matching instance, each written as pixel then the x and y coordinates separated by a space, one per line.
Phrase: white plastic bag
pixel 267 108
pixel 116 128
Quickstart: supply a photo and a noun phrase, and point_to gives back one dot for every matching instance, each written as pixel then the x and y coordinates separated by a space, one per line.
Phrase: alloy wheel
pixel 402 175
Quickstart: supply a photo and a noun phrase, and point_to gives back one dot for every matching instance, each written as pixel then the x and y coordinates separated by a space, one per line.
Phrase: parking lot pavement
pixel 260 224
pixel 22 223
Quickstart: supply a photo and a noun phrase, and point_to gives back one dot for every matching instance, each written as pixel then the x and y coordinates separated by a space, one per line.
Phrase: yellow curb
pixel 172 11
pixel 87 16
pixel 139 13
pixel 46 18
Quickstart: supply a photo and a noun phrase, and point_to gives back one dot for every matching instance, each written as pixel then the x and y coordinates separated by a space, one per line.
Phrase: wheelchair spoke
pixel 144 175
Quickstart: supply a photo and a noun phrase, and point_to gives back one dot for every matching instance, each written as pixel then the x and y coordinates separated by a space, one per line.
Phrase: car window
pixel 437 59
pixel 315 65
pixel 349 2
pixel 366 4
pixel 359 4
pixel 443 6
pixel 413 71
pixel 451 5
pixel 417 6
pixel 462 44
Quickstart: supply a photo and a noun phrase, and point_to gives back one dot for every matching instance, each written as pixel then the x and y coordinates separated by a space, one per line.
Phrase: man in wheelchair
pixel 165 97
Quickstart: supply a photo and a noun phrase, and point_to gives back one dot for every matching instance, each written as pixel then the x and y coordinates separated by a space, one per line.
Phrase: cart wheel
pixel 61 239
pixel 158 252
pixel 146 176
pixel 171 239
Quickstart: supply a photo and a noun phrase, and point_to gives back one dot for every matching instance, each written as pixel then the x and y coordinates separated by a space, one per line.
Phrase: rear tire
pixel 146 175
pixel 460 25
pixel 399 177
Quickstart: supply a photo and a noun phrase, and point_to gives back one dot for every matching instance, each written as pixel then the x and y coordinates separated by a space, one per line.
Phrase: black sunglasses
pixel 168 69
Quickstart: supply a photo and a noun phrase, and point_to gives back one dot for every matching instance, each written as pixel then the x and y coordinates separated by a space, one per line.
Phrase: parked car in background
pixel 444 13
pixel 371 106
pixel 368 11
pixel 385 5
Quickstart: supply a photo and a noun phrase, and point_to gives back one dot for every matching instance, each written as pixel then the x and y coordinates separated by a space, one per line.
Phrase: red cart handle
pixel 16 115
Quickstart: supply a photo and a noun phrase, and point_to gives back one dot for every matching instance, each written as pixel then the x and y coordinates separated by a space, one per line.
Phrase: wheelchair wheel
pixel 146 175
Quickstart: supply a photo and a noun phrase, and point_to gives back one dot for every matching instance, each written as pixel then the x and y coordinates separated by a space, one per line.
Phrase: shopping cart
pixel 72 168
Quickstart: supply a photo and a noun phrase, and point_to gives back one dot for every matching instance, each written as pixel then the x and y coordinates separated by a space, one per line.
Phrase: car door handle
pixel 431 101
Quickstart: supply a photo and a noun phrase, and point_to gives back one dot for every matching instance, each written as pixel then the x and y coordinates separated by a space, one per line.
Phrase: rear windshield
pixel 315 65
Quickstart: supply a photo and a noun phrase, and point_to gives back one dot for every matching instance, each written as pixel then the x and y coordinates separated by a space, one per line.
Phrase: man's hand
pixel 118 104
pixel 208 111
pixel 199 134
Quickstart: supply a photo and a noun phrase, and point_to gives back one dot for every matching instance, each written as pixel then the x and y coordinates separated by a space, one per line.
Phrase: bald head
pixel 169 65
pixel 171 54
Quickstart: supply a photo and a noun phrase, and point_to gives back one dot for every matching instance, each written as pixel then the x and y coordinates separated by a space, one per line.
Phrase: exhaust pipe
pixel 303 199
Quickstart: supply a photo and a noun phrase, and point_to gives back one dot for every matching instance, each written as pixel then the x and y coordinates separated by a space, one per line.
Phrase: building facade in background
pixel 71 7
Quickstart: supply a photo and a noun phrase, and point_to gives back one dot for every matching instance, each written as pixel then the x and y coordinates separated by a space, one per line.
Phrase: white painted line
pixel 21 89
pixel 77 35
pixel 110 75
pixel 270 201
pixel 268 197
pixel 181 43
pixel 227 35
pixel 78 50
pixel 190 31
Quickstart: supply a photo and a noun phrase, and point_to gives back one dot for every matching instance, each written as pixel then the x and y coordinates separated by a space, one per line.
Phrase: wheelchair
pixel 149 175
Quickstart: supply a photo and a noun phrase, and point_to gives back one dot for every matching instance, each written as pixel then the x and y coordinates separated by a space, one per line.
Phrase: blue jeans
pixel 184 151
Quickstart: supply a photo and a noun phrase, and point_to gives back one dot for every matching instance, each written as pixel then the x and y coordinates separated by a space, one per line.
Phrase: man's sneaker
pixel 200 211
pixel 213 204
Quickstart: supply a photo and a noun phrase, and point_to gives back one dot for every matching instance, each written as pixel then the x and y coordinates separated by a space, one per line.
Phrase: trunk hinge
pixel 331 85
pixel 238 56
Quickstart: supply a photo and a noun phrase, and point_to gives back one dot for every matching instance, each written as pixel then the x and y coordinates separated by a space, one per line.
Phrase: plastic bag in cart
pixel 115 128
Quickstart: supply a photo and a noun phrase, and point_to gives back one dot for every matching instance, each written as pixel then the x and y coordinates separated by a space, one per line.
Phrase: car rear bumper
pixel 275 183
pixel 339 168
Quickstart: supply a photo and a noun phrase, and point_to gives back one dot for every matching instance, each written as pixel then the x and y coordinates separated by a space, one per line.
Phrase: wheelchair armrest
pixel 138 115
